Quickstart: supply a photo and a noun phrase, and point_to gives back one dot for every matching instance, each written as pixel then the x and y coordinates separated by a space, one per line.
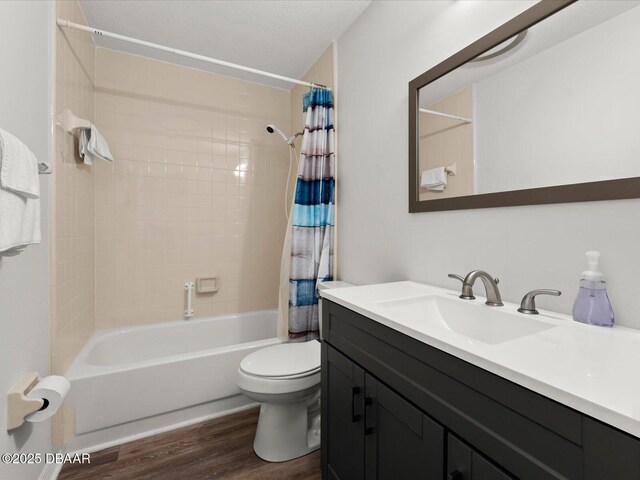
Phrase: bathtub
pixel 127 374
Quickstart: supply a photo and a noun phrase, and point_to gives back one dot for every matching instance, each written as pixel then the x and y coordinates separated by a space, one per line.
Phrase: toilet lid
pixel 284 360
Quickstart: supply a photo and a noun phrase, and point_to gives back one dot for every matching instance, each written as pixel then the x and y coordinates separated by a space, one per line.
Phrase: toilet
pixel 285 379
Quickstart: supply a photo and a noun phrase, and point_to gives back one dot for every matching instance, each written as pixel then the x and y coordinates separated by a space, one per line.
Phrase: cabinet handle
pixel 355 392
pixel 368 428
pixel 455 475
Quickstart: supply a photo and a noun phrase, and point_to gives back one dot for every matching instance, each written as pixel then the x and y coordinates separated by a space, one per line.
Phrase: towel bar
pixel 70 123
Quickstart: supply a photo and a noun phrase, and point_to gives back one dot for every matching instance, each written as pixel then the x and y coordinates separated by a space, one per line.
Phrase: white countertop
pixel 594 370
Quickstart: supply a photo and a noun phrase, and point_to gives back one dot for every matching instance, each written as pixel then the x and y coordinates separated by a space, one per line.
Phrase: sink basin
pixel 474 320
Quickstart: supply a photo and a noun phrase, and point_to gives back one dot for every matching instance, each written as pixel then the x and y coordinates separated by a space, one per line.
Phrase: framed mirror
pixel 544 109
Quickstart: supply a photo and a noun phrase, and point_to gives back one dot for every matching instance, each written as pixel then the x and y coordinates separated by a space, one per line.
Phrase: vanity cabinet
pixel 400 440
pixel 343 457
pixel 465 463
pixel 397 408
pixel 378 434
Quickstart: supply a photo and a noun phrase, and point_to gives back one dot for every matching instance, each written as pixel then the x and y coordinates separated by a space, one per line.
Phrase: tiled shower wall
pixel 72 208
pixel 72 211
pixel 196 189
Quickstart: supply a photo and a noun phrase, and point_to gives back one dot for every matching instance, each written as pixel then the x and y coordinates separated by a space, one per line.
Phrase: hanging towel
pixel 19 168
pixel 19 196
pixel 434 179
pixel 92 145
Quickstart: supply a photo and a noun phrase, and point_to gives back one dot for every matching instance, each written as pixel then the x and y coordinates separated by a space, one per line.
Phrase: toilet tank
pixel 327 286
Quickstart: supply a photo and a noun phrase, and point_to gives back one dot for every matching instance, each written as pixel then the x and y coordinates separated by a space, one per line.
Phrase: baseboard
pixel 50 471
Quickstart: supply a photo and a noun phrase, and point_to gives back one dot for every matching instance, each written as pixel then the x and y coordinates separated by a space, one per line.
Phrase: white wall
pixel 564 115
pixel 527 247
pixel 24 280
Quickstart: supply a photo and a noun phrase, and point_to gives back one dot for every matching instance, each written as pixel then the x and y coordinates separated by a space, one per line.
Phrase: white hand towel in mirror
pixel 434 179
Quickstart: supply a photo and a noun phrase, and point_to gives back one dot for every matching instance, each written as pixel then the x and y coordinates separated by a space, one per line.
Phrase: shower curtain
pixel 313 216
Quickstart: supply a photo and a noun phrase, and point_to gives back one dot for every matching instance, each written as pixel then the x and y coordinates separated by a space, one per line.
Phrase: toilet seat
pixel 281 369
pixel 284 361
pixel 284 377
pixel 277 386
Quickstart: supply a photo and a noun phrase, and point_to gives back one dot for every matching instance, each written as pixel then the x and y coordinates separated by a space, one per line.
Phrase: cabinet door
pixel 342 417
pixel 464 463
pixel 400 441
pixel 459 457
pixel 485 470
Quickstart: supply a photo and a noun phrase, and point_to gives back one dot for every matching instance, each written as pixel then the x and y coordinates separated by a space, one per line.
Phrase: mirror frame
pixel 578 192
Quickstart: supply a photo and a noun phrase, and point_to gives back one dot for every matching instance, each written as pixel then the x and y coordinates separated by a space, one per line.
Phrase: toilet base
pixel 286 431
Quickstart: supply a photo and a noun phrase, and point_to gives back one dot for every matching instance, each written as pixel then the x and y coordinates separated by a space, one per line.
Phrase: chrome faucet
pixel 490 286
pixel 528 303
pixel 467 291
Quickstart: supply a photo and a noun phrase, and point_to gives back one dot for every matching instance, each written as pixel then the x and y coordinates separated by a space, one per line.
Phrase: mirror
pixel 542 110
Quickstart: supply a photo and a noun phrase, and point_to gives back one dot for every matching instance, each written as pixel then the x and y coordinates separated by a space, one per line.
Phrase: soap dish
pixel 210 284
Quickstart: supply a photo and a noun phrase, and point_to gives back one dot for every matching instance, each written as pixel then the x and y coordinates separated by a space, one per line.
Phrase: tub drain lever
pixel 188 313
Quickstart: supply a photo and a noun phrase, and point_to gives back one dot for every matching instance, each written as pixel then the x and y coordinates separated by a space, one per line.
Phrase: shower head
pixel 271 128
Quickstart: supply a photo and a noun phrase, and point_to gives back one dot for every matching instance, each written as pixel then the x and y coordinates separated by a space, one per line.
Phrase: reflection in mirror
pixel 555 106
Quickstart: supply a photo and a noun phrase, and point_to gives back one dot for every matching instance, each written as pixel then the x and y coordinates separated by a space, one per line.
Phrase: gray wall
pixel 527 247
pixel 25 32
pixel 583 131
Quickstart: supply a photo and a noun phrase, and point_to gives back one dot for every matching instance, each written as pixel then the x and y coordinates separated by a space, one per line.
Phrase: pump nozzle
pixel 592 273
pixel 592 260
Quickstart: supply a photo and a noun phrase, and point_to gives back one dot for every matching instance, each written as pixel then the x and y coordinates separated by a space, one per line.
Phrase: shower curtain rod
pixel 68 24
pixel 446 115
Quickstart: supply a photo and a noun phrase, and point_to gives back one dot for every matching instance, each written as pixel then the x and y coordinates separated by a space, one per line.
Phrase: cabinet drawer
pixel 530 435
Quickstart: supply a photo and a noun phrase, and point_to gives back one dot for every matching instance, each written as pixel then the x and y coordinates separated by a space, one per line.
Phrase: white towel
pixel 434 179
pixel 19 168
pixel 92 145
pixel 19 196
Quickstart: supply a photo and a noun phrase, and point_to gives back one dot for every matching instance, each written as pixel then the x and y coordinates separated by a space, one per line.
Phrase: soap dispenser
pixel 592 304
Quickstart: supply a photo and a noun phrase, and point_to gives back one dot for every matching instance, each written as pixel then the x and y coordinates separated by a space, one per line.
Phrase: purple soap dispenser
pixel 592 304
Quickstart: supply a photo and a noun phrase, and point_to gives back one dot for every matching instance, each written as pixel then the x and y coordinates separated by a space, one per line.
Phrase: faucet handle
pixel 467 291
pixel 528 303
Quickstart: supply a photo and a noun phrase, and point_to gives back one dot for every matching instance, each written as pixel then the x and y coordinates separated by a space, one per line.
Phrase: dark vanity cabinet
pixel 344 415
pixel 379 434
pixel 465 463
pixel 396 408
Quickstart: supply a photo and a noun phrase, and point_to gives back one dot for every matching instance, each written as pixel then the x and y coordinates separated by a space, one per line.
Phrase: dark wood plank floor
pixel 221 448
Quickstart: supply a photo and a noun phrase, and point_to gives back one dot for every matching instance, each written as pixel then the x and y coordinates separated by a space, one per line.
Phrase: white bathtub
pixel 124 375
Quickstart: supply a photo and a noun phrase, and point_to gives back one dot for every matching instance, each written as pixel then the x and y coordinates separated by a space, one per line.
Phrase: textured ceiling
pixel 280 36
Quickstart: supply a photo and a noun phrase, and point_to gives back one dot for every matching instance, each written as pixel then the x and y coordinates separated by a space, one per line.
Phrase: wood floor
pixel 221 448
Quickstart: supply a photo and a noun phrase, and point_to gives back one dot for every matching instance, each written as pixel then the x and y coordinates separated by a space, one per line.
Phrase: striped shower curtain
pixel 313 214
